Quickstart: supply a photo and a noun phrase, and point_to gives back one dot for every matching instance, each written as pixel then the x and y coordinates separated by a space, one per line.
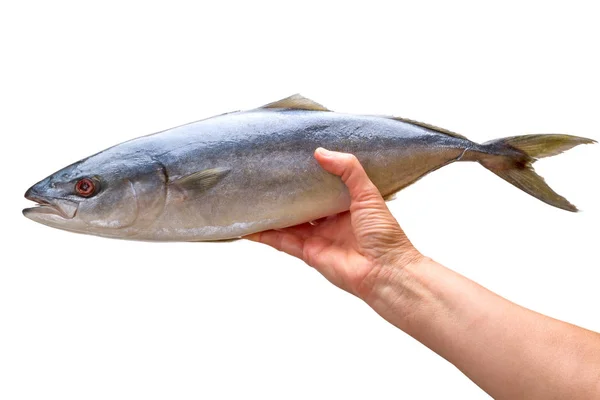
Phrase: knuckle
pixel 279 241
pixel 368 197
pixel 307 255
pixel 346 174
pixel 352 160
pixel 367 193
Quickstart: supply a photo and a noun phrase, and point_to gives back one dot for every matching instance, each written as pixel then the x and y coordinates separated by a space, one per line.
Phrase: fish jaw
pixel 52 211
pixel 60 212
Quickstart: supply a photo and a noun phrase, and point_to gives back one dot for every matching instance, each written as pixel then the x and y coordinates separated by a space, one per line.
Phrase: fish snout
pixel 41 193
pixel 34 194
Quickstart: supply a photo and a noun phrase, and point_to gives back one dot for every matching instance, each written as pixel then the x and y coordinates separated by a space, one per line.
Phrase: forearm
pixel 507 350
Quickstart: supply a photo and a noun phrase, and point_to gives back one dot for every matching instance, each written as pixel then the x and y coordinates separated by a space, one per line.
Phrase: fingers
pixel 303 230
pixel 352 173
pixel 282 241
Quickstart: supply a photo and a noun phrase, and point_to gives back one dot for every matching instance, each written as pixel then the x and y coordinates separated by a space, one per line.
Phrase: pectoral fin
pixel 201 180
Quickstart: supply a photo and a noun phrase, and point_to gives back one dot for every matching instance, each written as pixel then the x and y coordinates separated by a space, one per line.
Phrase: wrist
pixel 397 287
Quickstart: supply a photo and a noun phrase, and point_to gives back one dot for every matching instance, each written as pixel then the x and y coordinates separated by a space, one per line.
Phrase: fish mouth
pixel 63 208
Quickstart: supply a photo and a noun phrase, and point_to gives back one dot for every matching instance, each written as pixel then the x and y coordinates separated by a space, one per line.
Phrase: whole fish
pixel 249 171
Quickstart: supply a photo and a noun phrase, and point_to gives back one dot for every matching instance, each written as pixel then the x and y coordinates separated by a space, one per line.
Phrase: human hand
pixel 352 248
pixel 365 252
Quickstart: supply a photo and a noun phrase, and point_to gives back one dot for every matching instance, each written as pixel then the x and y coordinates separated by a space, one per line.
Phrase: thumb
pixel 347 167
pixel 376 230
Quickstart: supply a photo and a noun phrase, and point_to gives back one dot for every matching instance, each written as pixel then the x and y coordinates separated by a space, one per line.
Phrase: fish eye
pixel 85 187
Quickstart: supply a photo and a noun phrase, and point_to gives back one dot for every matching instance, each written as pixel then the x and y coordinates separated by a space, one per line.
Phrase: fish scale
pixel 248 171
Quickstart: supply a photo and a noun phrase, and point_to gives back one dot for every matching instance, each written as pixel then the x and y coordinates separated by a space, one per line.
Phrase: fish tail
pixel 511 158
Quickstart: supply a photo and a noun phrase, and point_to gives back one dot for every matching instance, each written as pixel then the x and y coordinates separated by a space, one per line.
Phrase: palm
pixel 346 247
pixel 331 247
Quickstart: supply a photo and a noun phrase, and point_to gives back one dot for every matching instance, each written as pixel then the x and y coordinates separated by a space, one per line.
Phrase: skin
pixel 250 171
pixel 268 177
pixel 509 351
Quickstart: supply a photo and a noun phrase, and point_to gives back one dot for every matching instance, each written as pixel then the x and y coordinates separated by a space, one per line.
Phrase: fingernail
pixel 253 237
pixel 324 152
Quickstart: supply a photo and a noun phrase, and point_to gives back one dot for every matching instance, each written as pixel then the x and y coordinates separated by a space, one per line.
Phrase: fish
pixel 243 172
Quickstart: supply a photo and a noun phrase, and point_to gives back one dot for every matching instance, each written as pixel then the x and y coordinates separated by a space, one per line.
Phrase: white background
pixel 83 317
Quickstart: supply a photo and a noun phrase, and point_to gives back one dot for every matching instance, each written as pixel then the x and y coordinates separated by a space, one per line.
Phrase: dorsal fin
pixel 297 102
pixel 432 127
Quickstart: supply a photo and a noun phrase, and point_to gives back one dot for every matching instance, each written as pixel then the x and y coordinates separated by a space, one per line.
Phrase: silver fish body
pixel 244 172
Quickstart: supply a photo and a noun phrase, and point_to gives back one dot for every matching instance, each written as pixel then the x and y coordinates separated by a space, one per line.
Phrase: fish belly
pixel 282 190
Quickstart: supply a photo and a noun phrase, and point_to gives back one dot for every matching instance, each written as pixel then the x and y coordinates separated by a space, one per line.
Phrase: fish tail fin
pixel 511 158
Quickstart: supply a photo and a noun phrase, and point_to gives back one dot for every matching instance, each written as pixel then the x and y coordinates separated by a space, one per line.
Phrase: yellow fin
pixel 544 145
pixel 432 127
pixel 297 102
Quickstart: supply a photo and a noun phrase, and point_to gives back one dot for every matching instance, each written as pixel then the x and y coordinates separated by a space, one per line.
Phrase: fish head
pixel 101 195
